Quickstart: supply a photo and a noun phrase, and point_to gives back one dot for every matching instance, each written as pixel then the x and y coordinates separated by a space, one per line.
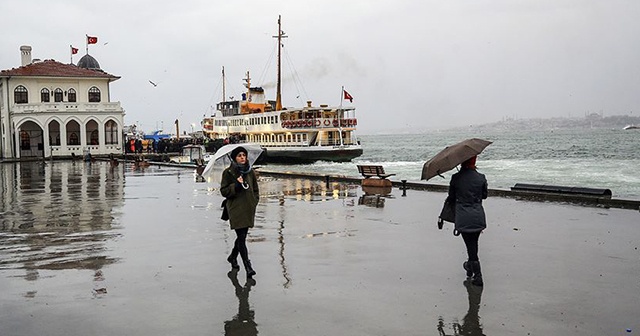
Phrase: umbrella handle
pixel 245 185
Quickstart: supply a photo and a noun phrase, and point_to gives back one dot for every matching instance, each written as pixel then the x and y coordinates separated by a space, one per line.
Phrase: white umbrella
pixel 222 158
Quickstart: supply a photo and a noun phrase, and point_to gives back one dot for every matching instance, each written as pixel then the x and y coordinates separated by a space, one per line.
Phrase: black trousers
pixel 471 241
pixel 240 245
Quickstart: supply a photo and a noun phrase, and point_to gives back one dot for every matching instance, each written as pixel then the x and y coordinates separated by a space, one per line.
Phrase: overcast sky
pixel 409 64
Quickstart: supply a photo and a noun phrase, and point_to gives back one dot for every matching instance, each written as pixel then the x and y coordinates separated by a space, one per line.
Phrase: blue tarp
pixel 156 136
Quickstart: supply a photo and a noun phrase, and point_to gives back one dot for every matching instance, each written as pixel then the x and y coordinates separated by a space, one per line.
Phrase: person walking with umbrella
pixel 467 189
pixel 239 186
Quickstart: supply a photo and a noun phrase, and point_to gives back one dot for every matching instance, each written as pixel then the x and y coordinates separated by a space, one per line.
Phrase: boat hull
pixel 310 154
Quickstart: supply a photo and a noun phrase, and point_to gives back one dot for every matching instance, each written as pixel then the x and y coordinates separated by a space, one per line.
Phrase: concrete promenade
pixel 330 261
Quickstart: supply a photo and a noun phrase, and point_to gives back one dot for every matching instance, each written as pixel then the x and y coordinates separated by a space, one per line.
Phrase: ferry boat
pixel 290 135
pixel 632 126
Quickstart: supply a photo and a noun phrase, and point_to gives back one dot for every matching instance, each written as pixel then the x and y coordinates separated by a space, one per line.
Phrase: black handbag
pixel 225 212
pixel 448 213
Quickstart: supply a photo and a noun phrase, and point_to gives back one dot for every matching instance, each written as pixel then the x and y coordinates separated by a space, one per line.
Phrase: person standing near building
pixel 468 188
pixel 239 186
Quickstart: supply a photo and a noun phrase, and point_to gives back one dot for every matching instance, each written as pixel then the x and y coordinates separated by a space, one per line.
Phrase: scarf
pixel 242 169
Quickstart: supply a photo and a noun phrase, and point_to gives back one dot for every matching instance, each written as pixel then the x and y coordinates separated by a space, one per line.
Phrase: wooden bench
pixel 368 171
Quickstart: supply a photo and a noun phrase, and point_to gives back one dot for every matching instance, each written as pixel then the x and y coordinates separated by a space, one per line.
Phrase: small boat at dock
pixel 191 154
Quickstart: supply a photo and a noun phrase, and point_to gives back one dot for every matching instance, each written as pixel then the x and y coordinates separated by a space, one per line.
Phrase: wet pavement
pixel 86 249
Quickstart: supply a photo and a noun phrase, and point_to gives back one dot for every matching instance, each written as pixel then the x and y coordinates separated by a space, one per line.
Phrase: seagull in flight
pixel 152 83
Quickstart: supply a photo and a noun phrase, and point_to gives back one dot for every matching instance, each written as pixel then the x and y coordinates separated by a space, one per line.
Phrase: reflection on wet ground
pixel 86 249
pixel 470 325
pixel 243 323
pixel 58 215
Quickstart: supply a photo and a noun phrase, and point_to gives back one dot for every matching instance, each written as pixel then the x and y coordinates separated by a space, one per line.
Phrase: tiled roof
pixel 51 68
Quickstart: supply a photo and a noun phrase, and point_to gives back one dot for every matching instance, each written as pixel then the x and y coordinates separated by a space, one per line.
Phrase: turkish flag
pixel 92 39
pixel 348 96
pixel 74 50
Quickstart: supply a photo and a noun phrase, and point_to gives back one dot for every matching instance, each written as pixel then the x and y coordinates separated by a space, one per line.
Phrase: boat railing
pixel 319 123
pixel 336 142
pixel 331 143
pixel 286 144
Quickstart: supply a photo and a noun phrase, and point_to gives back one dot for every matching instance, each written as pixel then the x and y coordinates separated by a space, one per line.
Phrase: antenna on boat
pixel 280 36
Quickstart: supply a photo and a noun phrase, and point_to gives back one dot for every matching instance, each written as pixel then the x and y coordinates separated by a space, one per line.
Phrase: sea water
pixel 592 158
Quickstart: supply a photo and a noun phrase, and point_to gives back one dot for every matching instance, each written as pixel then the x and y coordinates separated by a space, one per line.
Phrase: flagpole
pixel 86 43
pixel 71 51
pixel 340 115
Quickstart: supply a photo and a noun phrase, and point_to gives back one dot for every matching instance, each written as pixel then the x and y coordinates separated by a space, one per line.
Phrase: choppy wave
pixel 594 158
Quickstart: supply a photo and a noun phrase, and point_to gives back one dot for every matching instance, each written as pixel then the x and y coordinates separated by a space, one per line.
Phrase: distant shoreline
pixel 592 121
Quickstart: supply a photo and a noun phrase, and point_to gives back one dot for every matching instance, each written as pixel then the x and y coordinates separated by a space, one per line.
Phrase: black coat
pixel 468 188
pixel 241 203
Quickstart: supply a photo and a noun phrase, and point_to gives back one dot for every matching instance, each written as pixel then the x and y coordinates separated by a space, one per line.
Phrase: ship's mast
pixel 279 87
pixel 247 83
pixel 224 88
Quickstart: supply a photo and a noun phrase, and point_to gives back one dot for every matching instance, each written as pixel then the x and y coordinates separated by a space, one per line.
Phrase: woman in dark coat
pixel 468 188
pixel 240 188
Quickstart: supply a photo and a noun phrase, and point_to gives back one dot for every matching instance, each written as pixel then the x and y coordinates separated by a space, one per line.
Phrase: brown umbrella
pixel 452 156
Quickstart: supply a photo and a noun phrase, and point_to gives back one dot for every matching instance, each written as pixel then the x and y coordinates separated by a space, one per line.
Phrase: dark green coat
pixel 241 203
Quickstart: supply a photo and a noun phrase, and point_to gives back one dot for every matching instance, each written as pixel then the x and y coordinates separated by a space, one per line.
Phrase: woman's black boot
pixel 248 268
pixel 477 273
pixel 467 268
pixel 233 259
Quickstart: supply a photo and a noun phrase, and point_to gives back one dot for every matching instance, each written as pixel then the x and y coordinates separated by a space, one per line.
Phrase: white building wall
pixel 14 116
pixel 5 122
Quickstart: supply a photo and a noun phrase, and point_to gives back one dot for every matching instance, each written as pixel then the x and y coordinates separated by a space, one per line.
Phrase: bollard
pixel 326 181
pixel 404 187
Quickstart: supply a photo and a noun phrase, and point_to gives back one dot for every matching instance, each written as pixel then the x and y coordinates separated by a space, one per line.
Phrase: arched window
pixel 73 139
pixel 94 95
pixel 25 141
pixel 54 133
pixel 45 95
pixel 71 94
pixel 57 95
pixel 56 141
pixel 111 132
pixel 94 138
pixel 21 95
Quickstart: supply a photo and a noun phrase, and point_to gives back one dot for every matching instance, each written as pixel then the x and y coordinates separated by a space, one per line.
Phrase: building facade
pixel 50 109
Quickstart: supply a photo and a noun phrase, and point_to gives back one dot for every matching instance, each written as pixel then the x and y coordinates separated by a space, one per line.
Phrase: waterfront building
pixel 51 109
